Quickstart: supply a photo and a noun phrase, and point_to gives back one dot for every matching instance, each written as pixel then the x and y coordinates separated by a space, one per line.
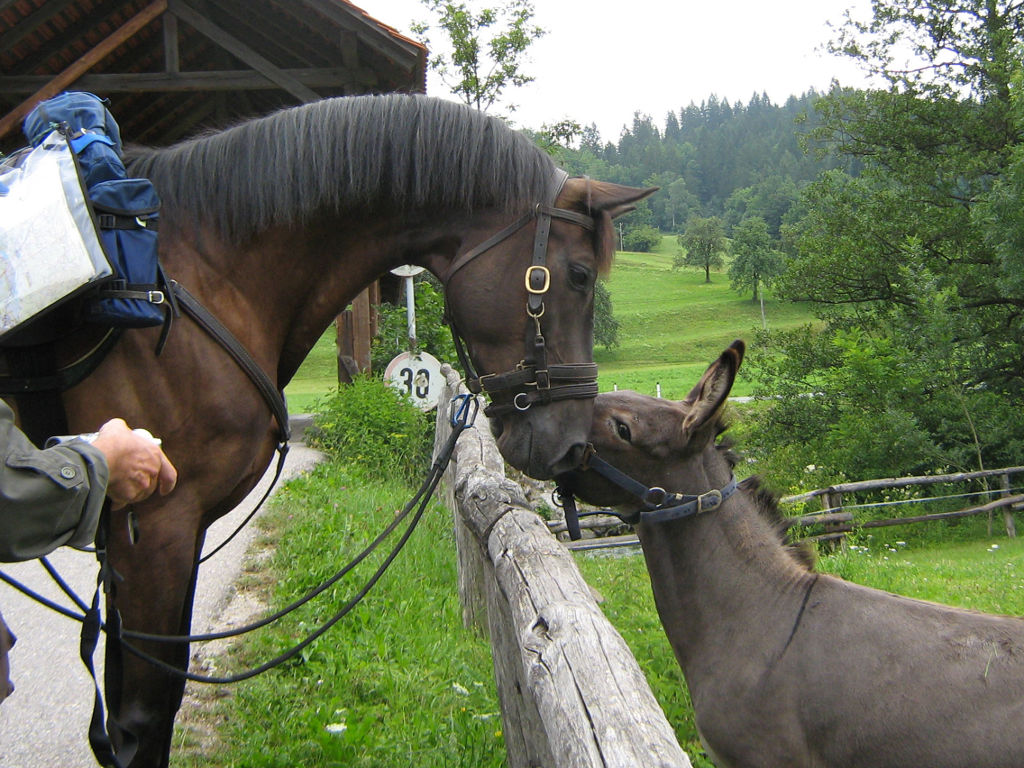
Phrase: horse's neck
pixel 723 577
pixel 285 287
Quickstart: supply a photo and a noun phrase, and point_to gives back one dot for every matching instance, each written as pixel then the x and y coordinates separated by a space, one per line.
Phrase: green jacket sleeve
pixel 48 498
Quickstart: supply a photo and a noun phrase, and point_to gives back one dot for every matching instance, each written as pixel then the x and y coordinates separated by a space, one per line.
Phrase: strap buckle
pixel 654 497
pixel 538 279
pixel 710 501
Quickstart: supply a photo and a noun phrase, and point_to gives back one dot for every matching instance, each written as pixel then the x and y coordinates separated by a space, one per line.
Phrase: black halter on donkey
pixel 657 504
pixel 533 380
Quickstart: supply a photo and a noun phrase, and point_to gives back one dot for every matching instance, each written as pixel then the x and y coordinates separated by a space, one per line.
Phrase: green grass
pixel 672 325
pixel 317 375
pixel 986 575
pixel 397 682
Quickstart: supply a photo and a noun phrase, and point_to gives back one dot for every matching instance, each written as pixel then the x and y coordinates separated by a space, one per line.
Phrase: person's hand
pixel 137 465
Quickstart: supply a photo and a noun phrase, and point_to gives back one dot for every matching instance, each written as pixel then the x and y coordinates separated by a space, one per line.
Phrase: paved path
pixel 45 723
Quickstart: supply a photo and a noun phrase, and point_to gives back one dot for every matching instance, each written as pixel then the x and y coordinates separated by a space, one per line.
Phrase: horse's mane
pixel 406 153
pixel 766 502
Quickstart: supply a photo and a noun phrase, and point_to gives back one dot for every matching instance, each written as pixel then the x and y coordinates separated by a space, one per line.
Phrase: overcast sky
pixel 602 61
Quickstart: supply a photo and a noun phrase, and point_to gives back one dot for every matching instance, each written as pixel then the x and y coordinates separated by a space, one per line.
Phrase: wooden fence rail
pixel 833 514
pixel 572 695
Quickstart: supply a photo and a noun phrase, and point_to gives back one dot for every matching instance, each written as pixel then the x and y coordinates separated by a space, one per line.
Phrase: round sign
pixel 418 377
pixel 408 270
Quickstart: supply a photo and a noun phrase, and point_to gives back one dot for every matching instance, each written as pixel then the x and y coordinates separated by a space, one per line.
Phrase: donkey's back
pixel 886 680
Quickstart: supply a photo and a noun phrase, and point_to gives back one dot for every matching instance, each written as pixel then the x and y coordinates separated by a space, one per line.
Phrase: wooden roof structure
pixel 171 68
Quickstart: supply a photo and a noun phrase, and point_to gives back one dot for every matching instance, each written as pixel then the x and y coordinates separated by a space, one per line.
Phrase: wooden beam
pixel 62 80
pixel 374 35
pixel 242 51
pixel 222 80
pixel 172 56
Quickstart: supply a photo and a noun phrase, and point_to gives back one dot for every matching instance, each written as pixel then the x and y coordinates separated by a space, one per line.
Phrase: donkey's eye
pixel 579 277
pixel 623 431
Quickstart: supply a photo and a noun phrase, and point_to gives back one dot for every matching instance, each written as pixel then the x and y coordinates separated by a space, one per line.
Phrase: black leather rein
pixel 533 380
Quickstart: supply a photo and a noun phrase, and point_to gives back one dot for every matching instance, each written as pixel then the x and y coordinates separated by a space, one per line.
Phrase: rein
pixel 658 505
pixel 533 380
pixel 463 415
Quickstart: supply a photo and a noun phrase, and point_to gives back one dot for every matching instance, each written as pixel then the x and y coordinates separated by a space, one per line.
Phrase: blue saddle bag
pixel 127 210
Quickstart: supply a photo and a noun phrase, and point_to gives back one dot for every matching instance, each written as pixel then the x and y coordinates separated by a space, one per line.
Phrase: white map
pixel 48 243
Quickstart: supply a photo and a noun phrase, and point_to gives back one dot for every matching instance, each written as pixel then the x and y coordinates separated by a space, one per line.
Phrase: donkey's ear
pixel 709 395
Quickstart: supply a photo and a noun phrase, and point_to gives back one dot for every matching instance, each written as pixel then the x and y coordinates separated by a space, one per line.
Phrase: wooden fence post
pixel 1011 529
pixel 832 500
pixel 572 695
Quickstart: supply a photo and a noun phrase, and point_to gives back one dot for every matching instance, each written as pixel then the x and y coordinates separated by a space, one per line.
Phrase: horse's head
pixel 654 441
pixel 526 313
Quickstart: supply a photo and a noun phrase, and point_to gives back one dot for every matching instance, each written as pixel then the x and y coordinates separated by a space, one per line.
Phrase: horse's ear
pixel 708 397
pixel 614 199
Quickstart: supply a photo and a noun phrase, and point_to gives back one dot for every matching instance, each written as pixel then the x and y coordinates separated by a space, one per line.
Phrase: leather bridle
pixel 533 380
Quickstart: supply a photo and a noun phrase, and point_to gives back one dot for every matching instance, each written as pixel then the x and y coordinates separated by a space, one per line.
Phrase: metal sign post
pixel 414 373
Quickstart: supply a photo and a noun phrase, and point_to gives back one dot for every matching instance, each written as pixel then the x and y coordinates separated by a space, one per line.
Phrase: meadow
pixel 672 323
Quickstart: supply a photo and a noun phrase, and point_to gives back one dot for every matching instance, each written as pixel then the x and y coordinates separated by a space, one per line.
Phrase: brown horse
pixel 274 226
pixel 786 666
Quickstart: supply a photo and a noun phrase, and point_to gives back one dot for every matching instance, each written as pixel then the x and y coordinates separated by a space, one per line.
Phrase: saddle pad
pixel 49 248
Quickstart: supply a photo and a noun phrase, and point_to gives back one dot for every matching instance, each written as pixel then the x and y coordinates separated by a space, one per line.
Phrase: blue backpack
pixel 127 210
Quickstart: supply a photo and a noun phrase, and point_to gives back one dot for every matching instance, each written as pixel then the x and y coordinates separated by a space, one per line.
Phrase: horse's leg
pixel 153 592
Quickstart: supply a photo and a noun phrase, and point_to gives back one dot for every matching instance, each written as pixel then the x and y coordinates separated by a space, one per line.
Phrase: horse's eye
pixel 623 431
pixel 579 277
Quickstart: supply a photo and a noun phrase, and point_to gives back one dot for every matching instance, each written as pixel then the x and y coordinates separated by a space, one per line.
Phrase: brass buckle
pixel 547 280
pixel 713 499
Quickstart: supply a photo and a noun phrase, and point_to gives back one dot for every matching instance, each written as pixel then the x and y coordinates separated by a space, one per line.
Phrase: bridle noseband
pixel 658 505
pixel 533 380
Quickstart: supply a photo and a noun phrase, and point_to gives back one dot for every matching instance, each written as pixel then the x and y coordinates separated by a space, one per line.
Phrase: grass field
pixel 397 682
pixel 672 325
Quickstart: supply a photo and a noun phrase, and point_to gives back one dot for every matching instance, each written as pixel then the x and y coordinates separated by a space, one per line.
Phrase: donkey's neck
pixel 722 580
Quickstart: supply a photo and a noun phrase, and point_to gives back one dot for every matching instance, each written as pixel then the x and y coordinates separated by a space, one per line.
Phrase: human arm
pixel 53 497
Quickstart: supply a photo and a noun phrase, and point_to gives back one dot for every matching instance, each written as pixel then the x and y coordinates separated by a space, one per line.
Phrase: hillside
pixel 672 323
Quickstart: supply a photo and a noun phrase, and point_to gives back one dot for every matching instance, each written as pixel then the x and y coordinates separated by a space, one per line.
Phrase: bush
pixel 433 336
pixel 642 239
pixel 368 425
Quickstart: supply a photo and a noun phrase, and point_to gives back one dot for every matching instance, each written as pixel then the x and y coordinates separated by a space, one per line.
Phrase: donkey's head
pixel 656 441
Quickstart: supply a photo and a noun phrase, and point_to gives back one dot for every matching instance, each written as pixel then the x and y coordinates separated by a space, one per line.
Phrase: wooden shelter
pixel 172 68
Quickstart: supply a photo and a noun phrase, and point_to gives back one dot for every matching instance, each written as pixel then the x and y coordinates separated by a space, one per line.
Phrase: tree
pixel 479 70
pixel 704 245
pixel 905 260
pixel 681 205
pixel 606 327
pixel 756 262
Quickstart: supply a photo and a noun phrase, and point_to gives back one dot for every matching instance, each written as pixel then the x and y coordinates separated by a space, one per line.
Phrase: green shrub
pixel 642 239
pixel 369 425
pixel 432 335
